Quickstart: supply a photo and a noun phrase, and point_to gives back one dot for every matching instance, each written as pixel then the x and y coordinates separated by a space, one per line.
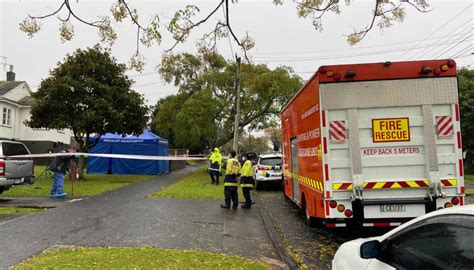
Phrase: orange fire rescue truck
pixel 374 144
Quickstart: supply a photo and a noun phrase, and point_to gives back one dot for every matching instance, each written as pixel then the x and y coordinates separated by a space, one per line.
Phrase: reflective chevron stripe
pixel 342 186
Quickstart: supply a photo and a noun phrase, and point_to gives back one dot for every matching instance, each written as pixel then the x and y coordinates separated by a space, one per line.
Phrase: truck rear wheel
pixel 311 221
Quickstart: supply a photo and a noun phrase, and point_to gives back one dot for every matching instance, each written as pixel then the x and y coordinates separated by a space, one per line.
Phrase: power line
pixel 357 48
pixel 452 47
pixel 439 28
pixel 462 51
pixel 465 25
pixel 351 55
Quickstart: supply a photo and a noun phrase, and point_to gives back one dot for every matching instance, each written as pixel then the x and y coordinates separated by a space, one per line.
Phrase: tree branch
pixel 194 25
pixel 49 15
pixel 232 32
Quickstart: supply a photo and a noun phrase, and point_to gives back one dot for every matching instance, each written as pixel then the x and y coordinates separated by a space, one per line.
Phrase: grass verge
pixel 196 185
pixel 470 191
pixel 94 184
pixel 135 258
pixel 469 179
pixel 19 210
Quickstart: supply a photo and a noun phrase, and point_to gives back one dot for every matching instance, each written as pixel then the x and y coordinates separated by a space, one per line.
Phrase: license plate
pixel 18 181
pixel 276 174
pixel 393 208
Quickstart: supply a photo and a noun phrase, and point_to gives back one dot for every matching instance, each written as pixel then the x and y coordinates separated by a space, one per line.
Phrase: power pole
pixel 237 105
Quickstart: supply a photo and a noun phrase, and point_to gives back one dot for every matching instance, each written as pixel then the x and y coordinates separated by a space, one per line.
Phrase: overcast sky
pixel 281 37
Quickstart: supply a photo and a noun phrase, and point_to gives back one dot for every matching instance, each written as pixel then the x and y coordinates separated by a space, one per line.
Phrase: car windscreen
pixel 274 161
pixel 14 149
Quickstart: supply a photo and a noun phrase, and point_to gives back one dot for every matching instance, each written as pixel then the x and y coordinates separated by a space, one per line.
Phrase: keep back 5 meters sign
pixel 391 130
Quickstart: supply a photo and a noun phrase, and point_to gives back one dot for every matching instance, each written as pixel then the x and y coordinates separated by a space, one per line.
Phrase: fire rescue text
pixel 390 130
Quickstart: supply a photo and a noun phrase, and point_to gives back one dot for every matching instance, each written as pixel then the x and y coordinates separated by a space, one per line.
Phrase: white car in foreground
pixel 443 239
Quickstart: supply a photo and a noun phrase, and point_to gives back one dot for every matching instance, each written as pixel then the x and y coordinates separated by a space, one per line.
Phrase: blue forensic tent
pixel 148 144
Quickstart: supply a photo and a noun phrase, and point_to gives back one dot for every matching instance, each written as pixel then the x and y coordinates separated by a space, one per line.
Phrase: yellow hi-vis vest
pixel 247 169
pixel 216 157
pixel 232 167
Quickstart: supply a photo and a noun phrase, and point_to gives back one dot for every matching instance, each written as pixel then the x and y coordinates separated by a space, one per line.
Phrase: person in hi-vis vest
pixel 215 166
pixel 246 182
pixel 231 182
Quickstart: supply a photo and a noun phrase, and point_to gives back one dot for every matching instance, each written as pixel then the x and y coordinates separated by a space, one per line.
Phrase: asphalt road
pixel 126 217
pixel 313 247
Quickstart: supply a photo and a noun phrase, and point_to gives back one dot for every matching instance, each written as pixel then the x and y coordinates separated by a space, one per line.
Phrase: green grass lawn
pixel 469 179
pixel 197 185
pixel 93 185
pixel 135 258
pixel 19 210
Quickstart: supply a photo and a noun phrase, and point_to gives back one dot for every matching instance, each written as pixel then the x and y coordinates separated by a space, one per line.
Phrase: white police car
pixel 443 239
pixel 268 169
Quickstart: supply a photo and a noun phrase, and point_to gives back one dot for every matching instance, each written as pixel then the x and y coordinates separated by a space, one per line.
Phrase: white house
pixel 15 105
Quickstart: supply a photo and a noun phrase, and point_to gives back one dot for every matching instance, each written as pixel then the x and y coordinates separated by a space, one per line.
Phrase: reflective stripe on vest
pixel 212 169
pixel 246 185
pixel 227 184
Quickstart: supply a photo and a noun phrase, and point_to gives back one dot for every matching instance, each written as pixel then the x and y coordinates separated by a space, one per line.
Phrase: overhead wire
pixel 355 48
pixel 351 55
pixel 452 47
pixel 460 30
pixel 438 29
pixel 454 56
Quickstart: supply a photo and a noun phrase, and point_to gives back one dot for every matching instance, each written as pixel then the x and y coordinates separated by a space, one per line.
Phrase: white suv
pixel 268 169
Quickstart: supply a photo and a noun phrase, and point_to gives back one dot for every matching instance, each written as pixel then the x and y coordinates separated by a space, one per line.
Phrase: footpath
pixel 125 217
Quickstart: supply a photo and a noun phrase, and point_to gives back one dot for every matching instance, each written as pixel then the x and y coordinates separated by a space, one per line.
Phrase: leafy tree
pixel 203 115
pixel 384 14
pixel 466 102
pixel 90 94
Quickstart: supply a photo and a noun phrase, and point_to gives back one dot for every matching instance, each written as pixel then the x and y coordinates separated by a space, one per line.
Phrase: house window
pixel 7 117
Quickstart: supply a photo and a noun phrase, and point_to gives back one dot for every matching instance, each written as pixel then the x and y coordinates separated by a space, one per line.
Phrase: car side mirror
pixel 371 249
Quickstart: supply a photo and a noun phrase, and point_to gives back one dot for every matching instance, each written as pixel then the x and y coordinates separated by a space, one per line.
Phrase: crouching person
pixel 59 165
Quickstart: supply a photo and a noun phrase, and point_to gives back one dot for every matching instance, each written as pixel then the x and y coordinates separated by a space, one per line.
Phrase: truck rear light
pixel 444 67
pixel 451 63
pixel 448 205
pixel 333 204
pixel 455 200
pixel 351 74
pixel 329 73
pixel 2 168
pixel 426 70
pixel 437 71
pixel 322 70
pixel 348 213
pixel 341 208
pixel 462 190
pixel 336 76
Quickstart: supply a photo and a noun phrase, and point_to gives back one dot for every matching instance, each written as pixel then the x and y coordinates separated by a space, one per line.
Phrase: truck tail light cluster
pixel 341 208
pixel 437 71
pixel 2 168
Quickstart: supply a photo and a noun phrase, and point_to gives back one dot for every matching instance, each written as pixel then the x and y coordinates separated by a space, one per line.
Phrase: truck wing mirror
pixel 371 249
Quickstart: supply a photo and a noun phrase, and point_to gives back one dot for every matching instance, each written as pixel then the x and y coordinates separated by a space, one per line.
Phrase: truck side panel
pixel 303 150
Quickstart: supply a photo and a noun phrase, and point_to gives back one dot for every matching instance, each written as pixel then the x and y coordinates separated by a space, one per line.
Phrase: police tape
pixel 124 156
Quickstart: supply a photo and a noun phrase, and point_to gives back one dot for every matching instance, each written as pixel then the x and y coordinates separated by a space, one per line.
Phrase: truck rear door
pixel 393 144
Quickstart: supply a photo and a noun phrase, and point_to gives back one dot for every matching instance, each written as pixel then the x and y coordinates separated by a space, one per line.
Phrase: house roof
pixel 26 101
pixel 6 86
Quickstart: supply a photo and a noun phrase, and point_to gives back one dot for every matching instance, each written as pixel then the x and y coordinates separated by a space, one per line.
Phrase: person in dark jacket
pixel 59 165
